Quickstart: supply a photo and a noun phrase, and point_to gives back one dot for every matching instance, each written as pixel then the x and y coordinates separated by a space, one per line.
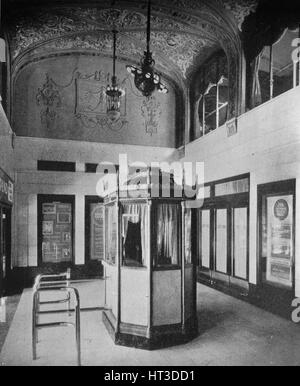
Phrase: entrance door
pixel 276 206
pixel 214 243
pixel 240 242
pixel 224 244
pixel 222 229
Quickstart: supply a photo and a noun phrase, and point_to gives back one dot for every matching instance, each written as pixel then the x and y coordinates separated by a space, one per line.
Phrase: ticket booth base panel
pixel 160 337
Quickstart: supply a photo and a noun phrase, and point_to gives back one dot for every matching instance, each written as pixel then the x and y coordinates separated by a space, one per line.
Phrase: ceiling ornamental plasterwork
pixel 240 9
pixel 32 30
pixel 183 31
pixel 179 51
pixel 184 34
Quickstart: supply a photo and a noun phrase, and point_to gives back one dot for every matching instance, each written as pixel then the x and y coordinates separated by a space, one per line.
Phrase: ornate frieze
pixel 240 9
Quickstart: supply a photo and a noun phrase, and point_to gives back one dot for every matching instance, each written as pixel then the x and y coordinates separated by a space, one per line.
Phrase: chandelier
pixel 146 79
pixel 114 92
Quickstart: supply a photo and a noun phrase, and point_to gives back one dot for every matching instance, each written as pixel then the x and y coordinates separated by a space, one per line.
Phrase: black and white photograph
pixel 149 186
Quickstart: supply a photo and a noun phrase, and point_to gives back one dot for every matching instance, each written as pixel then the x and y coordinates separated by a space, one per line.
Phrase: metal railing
pixel 49 284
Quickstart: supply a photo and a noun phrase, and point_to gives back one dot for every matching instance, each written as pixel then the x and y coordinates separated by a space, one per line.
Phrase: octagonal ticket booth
pixel 149 268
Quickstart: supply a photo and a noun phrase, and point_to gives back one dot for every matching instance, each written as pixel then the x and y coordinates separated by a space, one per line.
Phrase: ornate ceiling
pixel 184 32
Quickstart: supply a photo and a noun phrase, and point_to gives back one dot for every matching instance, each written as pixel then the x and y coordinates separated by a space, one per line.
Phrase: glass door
pixel 223 246
pixel 223 233
pixel 240 237
pixel 205 239
pixel 221 241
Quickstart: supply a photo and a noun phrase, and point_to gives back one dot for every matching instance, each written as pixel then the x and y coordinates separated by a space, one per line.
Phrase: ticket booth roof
pixel 150 185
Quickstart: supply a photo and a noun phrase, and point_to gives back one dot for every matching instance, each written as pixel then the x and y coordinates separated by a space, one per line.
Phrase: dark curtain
pixel 267 24
pixel 133 243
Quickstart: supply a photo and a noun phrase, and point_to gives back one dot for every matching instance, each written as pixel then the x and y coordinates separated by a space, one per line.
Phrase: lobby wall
pixel 30 183
pixel 267 145
pixel 63 97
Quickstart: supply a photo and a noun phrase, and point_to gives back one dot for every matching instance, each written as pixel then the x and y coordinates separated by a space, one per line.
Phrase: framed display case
pixel 150 270
pixel 276 252
pixel 277 235
pixel 55 229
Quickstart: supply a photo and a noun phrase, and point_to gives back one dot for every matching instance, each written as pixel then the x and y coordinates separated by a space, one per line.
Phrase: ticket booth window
pixel 134 235
pixel 167 228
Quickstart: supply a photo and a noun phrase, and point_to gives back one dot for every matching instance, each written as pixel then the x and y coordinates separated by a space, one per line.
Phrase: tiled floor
pixel 231 332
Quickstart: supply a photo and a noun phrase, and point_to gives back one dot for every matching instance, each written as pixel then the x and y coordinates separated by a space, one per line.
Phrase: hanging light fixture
pixel 145 78
pixel 113 91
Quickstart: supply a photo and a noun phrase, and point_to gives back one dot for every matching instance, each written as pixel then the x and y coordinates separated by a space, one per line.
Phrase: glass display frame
pixel 92 230
pixel 111 234
pixel 65 229
pixel 268 196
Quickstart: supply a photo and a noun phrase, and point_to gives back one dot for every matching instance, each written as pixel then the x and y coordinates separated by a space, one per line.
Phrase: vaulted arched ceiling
pixel 184 32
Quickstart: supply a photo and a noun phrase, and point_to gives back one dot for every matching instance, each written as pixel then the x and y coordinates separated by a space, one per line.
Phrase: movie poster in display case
pixel 280 230
pixel 97 231
pixel 56 232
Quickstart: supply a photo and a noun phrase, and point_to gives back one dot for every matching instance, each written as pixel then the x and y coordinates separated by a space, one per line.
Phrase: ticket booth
pixel 6 202
pixel 149 267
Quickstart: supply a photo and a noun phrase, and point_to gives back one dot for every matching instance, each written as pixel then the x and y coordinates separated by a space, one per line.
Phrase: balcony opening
pixel 276 69
pixel 211 96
